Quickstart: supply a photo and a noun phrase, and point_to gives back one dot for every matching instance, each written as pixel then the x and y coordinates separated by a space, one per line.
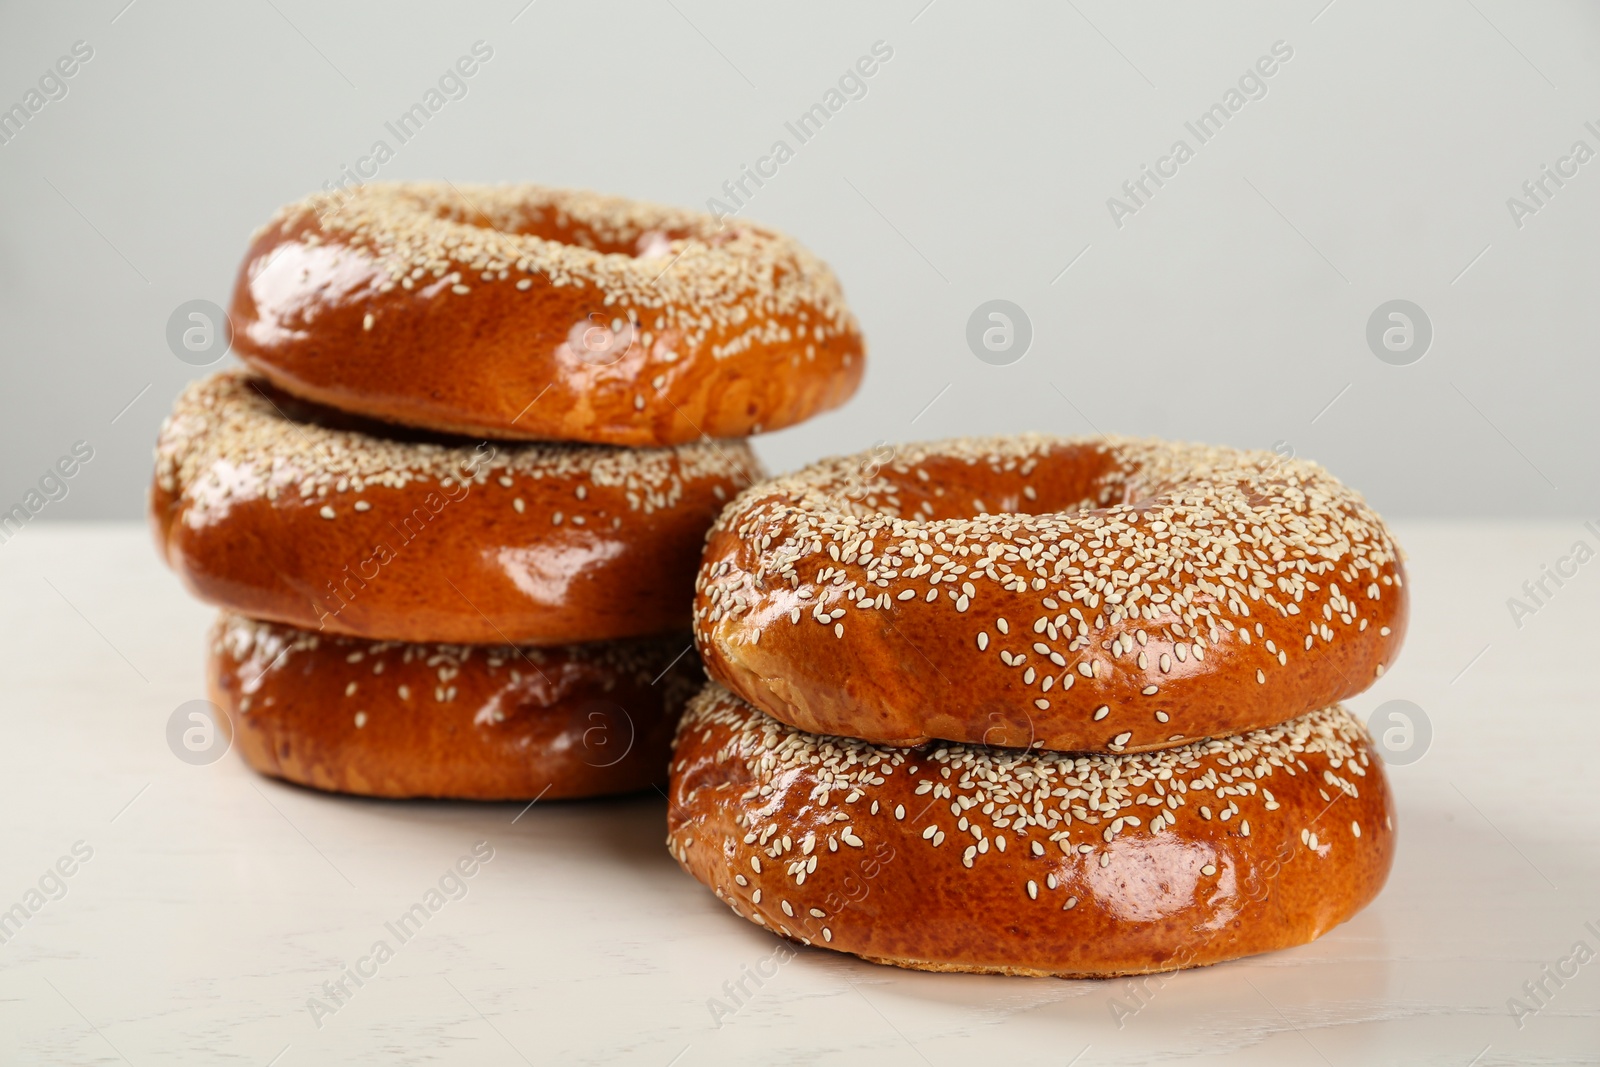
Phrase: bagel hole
pixel 1070 479
pixel 549 224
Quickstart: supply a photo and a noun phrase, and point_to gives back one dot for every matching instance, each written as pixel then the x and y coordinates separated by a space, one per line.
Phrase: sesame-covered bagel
pixel 474 722
pixel 525 312
pixel 1069 594
pixel 283 510
pixel 966 858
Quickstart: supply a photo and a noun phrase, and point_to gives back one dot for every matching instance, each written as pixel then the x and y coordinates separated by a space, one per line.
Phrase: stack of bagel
pixel 1039 705
pixel 453 506
pixel 1023 705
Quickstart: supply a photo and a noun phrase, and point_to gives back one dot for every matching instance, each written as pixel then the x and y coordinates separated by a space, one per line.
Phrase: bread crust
pixel 961 858
pixel 282 510
pixel 1079 595
pixel 394 719
pixel 521 312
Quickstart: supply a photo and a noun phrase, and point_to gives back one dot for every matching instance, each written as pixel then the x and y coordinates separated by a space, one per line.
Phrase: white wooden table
pixel 216 903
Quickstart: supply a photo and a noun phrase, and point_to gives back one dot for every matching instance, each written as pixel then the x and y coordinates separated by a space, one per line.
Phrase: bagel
pixel 1077 866
pixel 1069 594
pixel 282 510
pixel 474 722
pixel 521 312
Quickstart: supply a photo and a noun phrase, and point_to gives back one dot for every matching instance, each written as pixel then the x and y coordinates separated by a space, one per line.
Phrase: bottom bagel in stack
pixel 955 857
pixel 474 722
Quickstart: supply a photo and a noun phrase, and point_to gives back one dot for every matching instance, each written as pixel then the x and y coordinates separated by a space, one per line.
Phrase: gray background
pixel 1231 308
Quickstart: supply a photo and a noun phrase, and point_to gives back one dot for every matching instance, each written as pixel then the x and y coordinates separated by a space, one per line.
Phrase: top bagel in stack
pixel 1079 595
pixel 522 312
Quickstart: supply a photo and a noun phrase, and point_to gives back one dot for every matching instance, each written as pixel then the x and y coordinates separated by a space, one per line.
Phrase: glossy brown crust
pixel 506 331
pixel 390 719
pixel 470 543
pixel 874 851
pixel 1073 595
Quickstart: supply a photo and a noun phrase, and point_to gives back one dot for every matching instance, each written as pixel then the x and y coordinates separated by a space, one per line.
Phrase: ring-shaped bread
pixel 966 858
pixel 523 312
pixel 283 510
pixel 1081 595
pixel 470 722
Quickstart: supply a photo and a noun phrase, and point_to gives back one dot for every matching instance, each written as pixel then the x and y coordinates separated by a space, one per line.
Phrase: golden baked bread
pixel 520 311
pixel 283 510
pixel 964 858
pixel 475 722
pixel 1081 595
